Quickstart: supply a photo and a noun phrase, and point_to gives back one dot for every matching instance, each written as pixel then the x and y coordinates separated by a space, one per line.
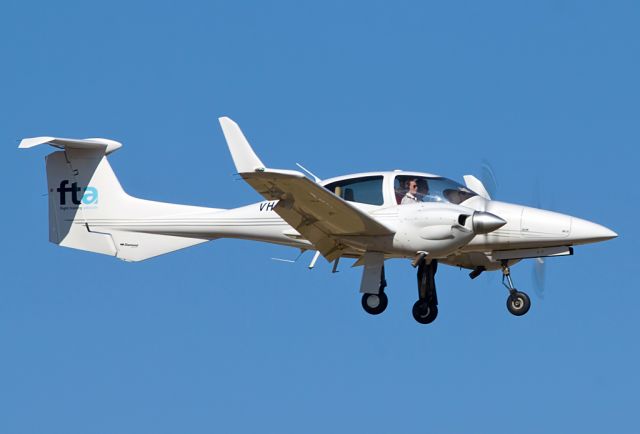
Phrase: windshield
pixel 413 189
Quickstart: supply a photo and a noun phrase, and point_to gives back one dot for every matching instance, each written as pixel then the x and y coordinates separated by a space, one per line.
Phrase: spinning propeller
pixel 490 183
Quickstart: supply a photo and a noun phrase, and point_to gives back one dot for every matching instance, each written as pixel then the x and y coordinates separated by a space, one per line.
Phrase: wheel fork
pixel 506 277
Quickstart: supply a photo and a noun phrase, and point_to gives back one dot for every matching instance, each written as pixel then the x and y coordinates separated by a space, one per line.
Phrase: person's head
pixel 412 185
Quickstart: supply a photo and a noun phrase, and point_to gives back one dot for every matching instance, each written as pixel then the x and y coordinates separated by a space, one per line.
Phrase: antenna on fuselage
pixel 315 178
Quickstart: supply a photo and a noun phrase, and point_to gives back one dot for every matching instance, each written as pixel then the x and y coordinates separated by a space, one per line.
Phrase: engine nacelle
pixel 436 228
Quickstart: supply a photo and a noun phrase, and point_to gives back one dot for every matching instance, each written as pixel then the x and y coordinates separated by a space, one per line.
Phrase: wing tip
pixel 226 120
pixel 30 142
pixel 243 155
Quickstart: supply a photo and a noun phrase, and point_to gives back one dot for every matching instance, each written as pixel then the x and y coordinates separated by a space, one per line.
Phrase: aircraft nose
pixel 584 231
pixel 485 222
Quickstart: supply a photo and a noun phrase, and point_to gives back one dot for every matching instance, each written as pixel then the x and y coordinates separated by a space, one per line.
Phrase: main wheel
pixel 424 313
pixel 374 304
pixel 518 303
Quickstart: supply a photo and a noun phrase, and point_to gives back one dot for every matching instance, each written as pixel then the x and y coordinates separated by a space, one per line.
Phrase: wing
pixel 326 220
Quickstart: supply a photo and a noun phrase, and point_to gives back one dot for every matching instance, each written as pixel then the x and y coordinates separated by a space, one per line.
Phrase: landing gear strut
pixel 425 310
pixel 518 302
pixel 375 304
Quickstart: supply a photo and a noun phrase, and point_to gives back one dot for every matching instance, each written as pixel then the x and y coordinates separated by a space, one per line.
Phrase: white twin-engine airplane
pixel 370 217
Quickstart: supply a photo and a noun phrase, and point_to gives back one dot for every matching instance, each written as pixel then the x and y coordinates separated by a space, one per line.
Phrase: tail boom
pixel 89 210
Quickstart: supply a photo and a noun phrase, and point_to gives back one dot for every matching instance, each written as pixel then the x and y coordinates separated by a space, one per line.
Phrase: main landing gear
pixel 425 310
pixel 375 304
pixel 518 302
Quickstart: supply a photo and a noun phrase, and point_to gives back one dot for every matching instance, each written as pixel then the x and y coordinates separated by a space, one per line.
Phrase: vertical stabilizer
pixel 89 210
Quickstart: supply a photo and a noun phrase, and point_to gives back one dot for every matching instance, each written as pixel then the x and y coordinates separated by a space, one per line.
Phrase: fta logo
pixel 89 197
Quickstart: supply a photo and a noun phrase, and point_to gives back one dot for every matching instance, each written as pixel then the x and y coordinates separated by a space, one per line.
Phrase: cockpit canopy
pixel 411 189
pixel 401 189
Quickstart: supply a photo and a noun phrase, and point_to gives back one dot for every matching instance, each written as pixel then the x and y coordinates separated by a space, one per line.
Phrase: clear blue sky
pixel 221 339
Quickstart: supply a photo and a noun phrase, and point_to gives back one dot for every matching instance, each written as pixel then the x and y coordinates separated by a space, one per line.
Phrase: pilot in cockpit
pixel 411 196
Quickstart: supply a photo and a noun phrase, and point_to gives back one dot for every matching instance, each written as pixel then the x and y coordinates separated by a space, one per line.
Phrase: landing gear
pixel 425 310
pixel 375 304
pixel 518 302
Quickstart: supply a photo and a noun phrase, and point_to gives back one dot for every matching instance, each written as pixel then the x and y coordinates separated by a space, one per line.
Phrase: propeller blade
pixel 539 266
pixel 536 194
pixel 488 178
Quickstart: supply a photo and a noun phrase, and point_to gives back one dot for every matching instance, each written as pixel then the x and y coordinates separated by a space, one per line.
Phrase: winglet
pixel 243 156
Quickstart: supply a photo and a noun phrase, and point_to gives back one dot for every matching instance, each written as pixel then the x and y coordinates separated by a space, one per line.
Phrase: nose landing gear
pixel 518 303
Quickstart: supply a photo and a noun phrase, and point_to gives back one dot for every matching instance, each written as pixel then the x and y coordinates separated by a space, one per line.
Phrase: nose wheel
pixel 518 303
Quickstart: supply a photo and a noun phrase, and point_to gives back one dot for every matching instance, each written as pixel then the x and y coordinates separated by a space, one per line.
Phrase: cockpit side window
pixel 367 189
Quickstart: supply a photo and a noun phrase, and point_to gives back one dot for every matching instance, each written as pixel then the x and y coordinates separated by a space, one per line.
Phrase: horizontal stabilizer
pixel 106 145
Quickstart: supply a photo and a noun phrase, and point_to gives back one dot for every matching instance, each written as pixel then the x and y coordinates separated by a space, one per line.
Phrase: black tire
pixel 375 304
pixel 424 313
pixel 518 303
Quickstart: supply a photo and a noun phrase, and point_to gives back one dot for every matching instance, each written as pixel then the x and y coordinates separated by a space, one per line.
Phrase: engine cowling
pixel 441 228
pixel 437 228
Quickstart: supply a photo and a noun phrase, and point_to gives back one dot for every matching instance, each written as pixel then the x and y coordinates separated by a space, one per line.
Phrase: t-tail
pixel 89 210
